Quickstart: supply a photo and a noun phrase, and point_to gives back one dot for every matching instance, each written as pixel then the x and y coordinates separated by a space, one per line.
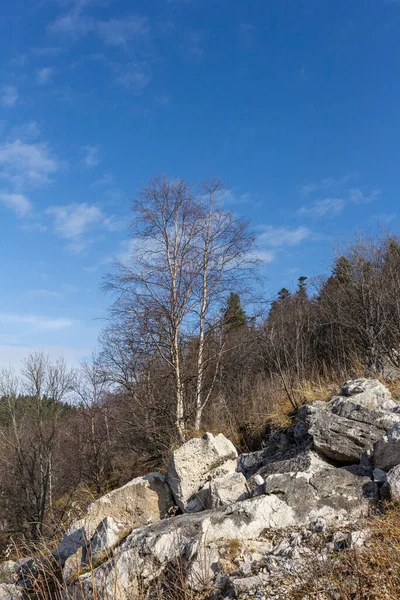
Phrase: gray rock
pixel 246 584
pixel 190 465
pixel 296 460
pixel 386 451
pixel 350 409
pixel 393 480
pixel 323 491
pixel 338 438
pixel 379 475
pixel 249 463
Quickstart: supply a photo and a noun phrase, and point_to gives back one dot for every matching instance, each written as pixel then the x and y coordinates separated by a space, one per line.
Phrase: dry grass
pixel 370 573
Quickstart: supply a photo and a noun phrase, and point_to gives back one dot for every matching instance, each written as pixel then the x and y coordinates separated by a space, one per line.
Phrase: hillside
pixel 276 523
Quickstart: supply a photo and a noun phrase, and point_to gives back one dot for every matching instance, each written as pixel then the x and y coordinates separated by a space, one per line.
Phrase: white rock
pixel 143 500
pixel 368 392
pixel 190 465
pixel 227 490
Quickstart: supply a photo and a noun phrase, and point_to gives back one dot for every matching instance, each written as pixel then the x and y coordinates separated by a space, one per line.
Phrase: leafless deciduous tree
pixel 30 437
pixel 186 254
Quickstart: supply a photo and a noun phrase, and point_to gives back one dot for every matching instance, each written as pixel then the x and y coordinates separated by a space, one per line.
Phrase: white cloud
pixel 19 203
pixel 230 197
pixel 134 78
pixel 91 158
pixel 27 164
pixel 359 197
pixel 9 96
pixel 266 256
pixel 114 32
pixel 282 236
pixel 73 221
pixel 44 75
pixel 38 323
pixel 104 181
pixel 118 32
pixel 43 293
pixel 328 207
pixel 324 184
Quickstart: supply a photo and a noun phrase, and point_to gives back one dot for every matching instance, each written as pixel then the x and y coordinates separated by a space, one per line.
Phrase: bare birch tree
pixel 186 254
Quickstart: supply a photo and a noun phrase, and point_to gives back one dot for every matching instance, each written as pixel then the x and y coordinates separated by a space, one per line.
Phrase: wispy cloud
pixel 92 157
pixel 73 222
pixel 104 181
pixel 119 32
pixel 232 198
pixel 25 164
pixel 9 96
pixel 327 207
pixel 18 203
pixel 76 23
pixel 38 323
pixel 359 197
pixel 43 293
pixel 325 184
pixel 44 75
pixel 133 77
pixel 282 236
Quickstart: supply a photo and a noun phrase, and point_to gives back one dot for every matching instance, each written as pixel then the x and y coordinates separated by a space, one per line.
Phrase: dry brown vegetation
pixel 369 573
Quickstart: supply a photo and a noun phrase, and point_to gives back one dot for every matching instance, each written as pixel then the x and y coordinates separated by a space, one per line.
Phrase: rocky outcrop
pixel 142 501
pixel 370 393
pixel 351 423
pixel 321 493
pixel 190 465
pixel 323 474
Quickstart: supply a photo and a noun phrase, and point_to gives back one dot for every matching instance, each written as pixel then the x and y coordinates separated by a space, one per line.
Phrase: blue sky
pixel 295 104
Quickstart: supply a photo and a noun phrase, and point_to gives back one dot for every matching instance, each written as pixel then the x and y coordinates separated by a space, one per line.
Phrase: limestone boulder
pixel 393 480
pixel 141 501
pixel 370 393
pixel 190 465
pixel 227 489
pixel 324 491
pixel 298 460
pixel 339 438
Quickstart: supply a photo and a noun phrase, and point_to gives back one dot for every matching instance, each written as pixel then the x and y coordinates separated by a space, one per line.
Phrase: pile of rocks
pixel 338 461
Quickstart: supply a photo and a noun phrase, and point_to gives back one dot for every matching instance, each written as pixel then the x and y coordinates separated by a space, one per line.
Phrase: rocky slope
pixel 237 526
